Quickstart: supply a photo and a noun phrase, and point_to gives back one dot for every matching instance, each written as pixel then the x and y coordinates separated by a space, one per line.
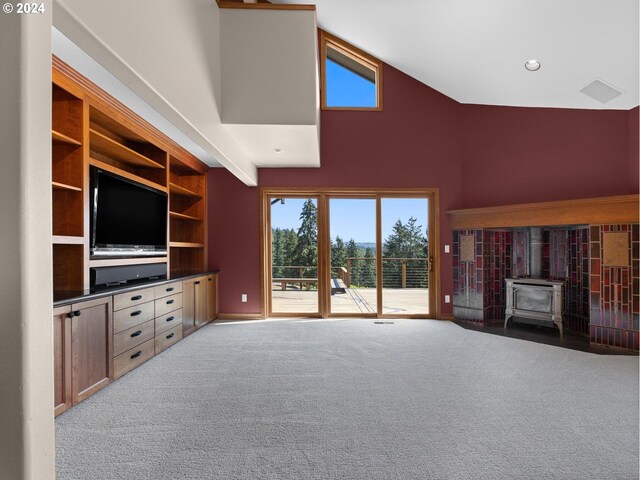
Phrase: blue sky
pixel 354 218
pixel 347 89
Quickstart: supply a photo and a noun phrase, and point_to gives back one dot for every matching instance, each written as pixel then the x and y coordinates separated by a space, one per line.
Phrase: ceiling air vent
pixel 600 91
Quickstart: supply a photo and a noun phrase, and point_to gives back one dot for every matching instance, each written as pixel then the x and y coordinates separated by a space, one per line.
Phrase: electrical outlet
pixel 244 298
pixel 447 299
pixel 447 249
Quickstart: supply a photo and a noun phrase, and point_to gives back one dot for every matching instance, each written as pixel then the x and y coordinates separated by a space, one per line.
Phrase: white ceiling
pixel 474 51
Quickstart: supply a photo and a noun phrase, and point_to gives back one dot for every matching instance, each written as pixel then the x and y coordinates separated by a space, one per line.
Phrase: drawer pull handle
pixel 170 289
pixel 137 297
pixel 169 302
pixel 136 313
pixel 198 282
pixel 170 336
pixel 170 319
pixel 135 334
pixel 77 313
pixel 208 279
pixel 136 355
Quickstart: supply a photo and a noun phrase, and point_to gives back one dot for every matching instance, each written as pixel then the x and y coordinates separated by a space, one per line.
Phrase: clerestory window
pixel 351 78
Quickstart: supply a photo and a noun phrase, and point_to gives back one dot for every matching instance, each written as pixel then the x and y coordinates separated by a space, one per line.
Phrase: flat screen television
pixel 127 218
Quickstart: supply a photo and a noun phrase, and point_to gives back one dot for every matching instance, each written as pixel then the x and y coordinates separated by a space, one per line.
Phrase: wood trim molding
pixel 446 316
pixel 263 6
pixel 618 209
pixel 239 316
pixel 65 75
pixel 358 55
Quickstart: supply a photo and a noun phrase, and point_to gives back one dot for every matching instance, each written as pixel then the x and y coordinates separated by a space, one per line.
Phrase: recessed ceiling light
pixel 532 65
pixel 277 150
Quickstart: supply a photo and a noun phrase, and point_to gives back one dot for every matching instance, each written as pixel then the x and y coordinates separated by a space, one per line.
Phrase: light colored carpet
pixel 350 399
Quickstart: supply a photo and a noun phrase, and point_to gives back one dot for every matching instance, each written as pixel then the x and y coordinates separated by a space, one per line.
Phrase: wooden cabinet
pixel 195 311
pixel 91 347
pixel 93 344
pixel 62 358
pixel 188 306
pixel 201 301
pixel 82 351
pixel 168 322
pixel 212 297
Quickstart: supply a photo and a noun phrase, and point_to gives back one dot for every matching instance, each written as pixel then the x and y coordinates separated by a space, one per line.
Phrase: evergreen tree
pixel 277 250
pixel 338 253
pixel 353 253
pixel 368 273
pixel 289 242
pixel 405 241
pixel 306 249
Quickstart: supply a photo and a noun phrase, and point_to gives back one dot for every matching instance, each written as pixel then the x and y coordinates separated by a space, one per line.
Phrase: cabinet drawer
pixel 130 317
pixel 125 300
pixel 130 359
pixel 168 304
pixel 170 320
pixel 168 338
pixel 168 289
pixel 132 337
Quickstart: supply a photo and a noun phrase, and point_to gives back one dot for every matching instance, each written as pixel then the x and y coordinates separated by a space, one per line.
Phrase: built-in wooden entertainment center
pixel 103 333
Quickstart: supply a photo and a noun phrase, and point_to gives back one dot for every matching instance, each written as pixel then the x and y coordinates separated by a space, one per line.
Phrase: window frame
pixel 354 53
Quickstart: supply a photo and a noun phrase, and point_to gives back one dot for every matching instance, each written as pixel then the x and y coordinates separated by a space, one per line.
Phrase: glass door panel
pixel 405 256
pixel 352 230
pixel 294 255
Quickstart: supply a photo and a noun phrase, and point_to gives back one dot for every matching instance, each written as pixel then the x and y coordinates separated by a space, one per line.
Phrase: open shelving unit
pixel 67 169
pixel 187 213
pixel 91 128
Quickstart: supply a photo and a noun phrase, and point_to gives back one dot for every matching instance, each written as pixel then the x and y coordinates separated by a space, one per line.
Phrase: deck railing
pixel 360 272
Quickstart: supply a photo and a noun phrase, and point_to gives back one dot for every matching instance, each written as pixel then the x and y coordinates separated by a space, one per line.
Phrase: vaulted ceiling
pixel 474 51
pixel 239 88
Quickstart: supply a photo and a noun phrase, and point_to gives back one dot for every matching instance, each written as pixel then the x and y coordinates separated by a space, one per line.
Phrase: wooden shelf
pixel 125 174
pixel 186 245
pixel 67 240
pixel 112 262
pixel 104 145
pixel 182 216
pixel 61 138
pixel 178 190
pixel 64 186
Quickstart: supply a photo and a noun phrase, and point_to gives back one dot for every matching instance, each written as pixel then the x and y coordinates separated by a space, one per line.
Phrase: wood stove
pixel 534 300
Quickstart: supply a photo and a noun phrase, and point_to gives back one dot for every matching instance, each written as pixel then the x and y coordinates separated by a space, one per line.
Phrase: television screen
pixel 127 217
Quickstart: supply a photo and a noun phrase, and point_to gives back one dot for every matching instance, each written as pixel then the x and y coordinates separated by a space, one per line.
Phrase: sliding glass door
pixel 339 252
pixel 294 255
pixel 405 256
pixel 352 230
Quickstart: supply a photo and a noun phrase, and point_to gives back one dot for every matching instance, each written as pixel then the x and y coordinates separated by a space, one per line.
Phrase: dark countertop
pixel 65 297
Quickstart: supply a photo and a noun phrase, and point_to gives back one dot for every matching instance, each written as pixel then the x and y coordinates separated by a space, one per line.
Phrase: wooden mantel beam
pixel 602 210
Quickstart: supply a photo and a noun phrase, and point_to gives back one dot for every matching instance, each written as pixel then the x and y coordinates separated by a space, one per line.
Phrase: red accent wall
pixel 413 142
pixel 519 155
pixel 477 155
pixel 634 155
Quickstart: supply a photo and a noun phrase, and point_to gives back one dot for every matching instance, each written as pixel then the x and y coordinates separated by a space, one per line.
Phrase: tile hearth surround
pixel 600 301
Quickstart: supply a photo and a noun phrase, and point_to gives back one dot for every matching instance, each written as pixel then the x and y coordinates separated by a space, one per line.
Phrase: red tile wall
pixel 614 291
pixel 468 278
pixel 497 259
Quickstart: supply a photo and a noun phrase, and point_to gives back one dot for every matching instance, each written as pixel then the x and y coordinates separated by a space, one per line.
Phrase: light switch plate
pixel 447 299
pixel 244 298
pixel 447 249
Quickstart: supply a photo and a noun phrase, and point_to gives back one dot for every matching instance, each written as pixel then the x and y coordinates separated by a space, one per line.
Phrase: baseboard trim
pixel 447 316
pixel 240 316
